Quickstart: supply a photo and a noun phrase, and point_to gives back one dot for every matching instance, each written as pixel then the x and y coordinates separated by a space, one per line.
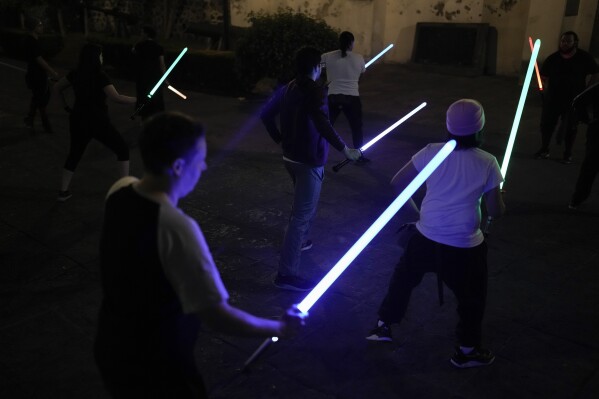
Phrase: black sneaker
pixel 542 154
pixel 567 160
pixel 63 196
pixel 293 283
pixel 478 357
pixel 306 245
pixel 380 333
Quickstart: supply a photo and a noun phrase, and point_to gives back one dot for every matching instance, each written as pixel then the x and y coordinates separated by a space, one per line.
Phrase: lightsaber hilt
pixel 142 105
pixel 257 353
pixel 341 164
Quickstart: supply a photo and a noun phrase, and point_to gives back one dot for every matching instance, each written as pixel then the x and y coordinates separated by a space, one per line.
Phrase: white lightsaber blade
pixel 168 71
pixel 13 67
pixel 177 92
pixel 390 128
pixel 379 55
pixel 525 86
pixel 328 280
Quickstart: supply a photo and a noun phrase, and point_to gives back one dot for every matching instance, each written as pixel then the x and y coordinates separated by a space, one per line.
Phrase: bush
pixel 268 47
pixel 11 41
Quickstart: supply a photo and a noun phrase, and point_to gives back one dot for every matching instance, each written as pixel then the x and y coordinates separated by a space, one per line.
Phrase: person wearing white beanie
pixel 447 239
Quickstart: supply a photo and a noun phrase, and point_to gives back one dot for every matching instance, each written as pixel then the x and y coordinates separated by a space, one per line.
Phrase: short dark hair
pixel 470 141
pixel 345 40
pixel 149 31
pixel 306 59
pixel 167 136
pixel 570 33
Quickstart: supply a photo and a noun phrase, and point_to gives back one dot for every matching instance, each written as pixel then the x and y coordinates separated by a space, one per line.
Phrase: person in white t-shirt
pixel 344 69
pixel 447 239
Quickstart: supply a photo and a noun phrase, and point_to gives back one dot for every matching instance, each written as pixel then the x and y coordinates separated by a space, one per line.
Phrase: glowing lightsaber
pixel 162 79
pixel 177 92
pixel 536 66
pixel 328 280
pixel 366 146
pixel 379 55
pixel 13 67
pixel 512 138
pixel 525 86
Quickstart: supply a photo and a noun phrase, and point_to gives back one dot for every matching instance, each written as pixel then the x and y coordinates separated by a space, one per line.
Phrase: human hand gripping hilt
pixel 347 160
pixel 293 319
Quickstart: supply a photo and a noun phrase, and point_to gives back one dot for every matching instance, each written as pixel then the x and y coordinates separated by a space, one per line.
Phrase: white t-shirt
pixel 450 211
pixel 343 72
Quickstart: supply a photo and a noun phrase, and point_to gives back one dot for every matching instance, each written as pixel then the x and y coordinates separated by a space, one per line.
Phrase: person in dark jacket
pixel 305 135
pixel 37 74
pixel 590 164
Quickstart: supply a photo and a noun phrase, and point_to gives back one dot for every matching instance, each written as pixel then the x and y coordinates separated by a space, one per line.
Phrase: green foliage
pixel 268 47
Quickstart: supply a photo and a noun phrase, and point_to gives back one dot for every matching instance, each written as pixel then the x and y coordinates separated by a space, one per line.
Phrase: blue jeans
pixel 307 181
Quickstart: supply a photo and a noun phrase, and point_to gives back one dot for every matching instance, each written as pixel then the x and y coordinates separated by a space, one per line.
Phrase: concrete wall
pixel 376 23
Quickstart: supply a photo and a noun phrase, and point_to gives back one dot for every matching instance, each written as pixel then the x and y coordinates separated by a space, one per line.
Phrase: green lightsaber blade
pixel 525 86
pixel 168 71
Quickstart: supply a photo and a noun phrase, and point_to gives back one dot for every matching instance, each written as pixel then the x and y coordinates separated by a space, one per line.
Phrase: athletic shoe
pixel 293 283
pixel 306 245
pixel 477 358
pixel 380 333
pixel 63 196
pixel 542 154
pixel 567 160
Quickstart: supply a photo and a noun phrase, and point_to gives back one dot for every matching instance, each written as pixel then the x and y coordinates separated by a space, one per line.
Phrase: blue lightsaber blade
pixel 510 144
pixel 162 79
pixel 379 55
pixel 168 71
pixel 379 136
pixel 313 296
pixel 525 87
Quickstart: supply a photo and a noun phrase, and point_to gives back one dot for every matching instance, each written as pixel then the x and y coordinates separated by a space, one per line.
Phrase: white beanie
pixel 465 117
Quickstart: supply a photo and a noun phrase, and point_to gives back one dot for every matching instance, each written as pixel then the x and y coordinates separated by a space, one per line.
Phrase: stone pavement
pixel 542 311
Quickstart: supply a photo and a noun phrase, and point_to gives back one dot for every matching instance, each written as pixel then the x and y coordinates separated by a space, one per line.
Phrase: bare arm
pixel 230 320
pixel 114 95
pixel 494 203
pixel 46 67
pixel 401 180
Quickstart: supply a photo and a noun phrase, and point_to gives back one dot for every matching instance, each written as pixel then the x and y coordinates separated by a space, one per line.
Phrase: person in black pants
pixel 447 239
pixel 89 117
pixel 564 74
pixel 149 68
pixel 37 75
pixel 590 164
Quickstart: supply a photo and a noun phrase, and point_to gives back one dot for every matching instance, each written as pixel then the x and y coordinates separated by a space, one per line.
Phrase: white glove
pixel 353 154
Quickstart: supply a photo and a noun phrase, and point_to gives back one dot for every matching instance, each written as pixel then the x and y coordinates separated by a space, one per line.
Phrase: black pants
pixel 551 114
pixel 590 165
pixel 40 97
pixel 463 270
pixel 352 108
pixel 83 129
